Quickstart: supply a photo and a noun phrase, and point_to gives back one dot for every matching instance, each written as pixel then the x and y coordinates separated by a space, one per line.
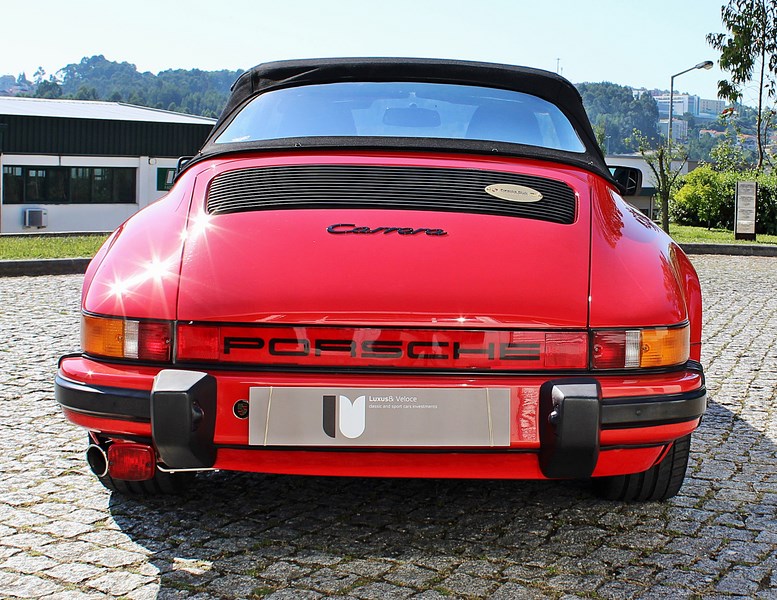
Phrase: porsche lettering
pixel 380 349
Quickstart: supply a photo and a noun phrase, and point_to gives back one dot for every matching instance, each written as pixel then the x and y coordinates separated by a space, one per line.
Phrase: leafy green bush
pixel 706 199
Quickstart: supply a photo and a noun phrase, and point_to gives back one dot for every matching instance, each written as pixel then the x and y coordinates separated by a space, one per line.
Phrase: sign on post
pixel 744 210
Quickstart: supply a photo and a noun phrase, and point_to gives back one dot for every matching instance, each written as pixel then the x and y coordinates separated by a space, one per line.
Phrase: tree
pixel 39 76
pixel 728 155
pixel 615 113
pixel 86 93
pixel 747 52
pixel 663 160
pixel 48 89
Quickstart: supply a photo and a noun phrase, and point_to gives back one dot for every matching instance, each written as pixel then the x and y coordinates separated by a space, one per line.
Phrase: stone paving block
pixel 112 557
pixel 118 586
pixel 465 585
pixel 430 595
pixel 150 591
pixel 25 563
pixel 382 591
pixel 28 587
pixel 512 591
pixel 365 568
pixel 293 594
pixel 328 581
pixel 73 572
pixel 285 571
pixel 77 595
pixel 411 576
pixel 236 586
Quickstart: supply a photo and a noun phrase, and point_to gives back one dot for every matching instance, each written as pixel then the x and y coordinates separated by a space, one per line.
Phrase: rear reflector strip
pixel 382 348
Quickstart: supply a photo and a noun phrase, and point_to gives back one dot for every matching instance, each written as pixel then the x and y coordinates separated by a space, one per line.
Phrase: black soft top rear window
pixel 403 109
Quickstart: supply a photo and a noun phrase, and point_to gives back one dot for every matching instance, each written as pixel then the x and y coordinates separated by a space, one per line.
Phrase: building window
pixel 164 179
pixel 68 185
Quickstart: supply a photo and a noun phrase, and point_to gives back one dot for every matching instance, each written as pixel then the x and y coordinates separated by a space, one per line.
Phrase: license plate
pixel 389 417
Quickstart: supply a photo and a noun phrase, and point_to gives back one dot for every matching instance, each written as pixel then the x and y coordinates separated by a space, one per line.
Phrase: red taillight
pixel 198 342
pixel 126 338
pixel 566 350
pixel 609 350
pixel 154 341
pixel 131 462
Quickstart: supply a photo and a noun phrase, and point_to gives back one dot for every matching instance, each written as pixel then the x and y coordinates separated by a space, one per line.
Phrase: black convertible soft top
pixel 282 74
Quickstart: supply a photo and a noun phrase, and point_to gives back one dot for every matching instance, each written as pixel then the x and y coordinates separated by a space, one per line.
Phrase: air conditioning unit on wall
pixel 35 217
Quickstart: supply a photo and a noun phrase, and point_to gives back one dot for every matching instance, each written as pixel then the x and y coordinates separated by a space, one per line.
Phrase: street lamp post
pixel 664 174
pixel 707 64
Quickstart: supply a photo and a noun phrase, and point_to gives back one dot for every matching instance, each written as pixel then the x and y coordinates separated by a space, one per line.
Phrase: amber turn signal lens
pixel 102 337
pixel 125 338
pixel 665 347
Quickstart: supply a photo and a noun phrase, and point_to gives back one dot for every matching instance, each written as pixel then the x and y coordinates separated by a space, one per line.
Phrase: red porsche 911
pixel 392 268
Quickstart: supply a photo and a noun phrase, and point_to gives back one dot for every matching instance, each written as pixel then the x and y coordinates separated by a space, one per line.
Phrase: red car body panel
pixel 136 271
pixel 317 277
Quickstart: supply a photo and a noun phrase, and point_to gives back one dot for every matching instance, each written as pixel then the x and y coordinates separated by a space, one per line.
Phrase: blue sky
pixel 628 42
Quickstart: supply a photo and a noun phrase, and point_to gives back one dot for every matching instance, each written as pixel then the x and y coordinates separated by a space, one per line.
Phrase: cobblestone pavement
pixel 241 536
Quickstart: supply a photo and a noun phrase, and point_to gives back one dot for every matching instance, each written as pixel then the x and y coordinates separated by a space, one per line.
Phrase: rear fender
pixel 136 272
pixel 689 280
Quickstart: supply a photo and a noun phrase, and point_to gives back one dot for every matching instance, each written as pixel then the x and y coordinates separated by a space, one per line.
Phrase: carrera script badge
pixel 347 228
pixel 513 193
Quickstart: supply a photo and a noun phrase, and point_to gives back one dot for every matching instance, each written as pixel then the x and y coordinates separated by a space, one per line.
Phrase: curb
pixel 77 266
pixel 730 249
pixel 51 266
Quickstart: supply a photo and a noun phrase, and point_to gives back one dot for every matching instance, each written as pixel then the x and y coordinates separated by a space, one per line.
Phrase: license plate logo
pixel 349 415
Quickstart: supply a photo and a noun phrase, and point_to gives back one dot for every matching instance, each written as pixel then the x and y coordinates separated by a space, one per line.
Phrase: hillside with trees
pixel 612 108
pixel 97 78
pixel 615 113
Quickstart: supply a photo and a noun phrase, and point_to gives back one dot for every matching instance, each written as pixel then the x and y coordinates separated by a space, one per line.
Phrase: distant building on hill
pixel 74 165
pixel 700 108
pixel 711 107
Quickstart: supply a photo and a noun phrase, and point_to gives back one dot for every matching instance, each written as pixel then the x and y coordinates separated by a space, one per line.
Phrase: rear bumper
pixel 569 427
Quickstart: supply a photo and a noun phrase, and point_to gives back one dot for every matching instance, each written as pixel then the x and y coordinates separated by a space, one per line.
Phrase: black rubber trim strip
pixel 620 413
pixel 212 367
pixel 617 413
pixel 410 450
pixel 102 401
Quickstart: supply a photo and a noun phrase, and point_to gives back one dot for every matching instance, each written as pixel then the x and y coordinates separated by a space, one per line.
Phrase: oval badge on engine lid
pixel 514 193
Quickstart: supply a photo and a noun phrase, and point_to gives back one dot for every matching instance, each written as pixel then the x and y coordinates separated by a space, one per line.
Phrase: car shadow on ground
pixel 238 535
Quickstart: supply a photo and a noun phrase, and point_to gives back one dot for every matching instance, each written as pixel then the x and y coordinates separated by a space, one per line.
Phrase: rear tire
pixel 660 482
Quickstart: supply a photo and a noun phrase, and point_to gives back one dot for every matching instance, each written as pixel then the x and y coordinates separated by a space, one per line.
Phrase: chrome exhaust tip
pixel 97 459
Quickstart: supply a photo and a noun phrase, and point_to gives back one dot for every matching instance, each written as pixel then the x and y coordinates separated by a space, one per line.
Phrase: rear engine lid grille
pixel 398 188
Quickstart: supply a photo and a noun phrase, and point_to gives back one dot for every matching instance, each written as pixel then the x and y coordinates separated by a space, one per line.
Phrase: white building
pixel 711 108
pixel 646 202
pixel 683 103
pixel 679 129
pixel 74 165
pixel 701 108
